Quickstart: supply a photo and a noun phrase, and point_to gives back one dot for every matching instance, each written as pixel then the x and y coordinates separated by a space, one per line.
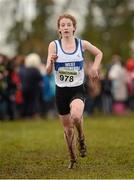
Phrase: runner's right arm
pixel 51 57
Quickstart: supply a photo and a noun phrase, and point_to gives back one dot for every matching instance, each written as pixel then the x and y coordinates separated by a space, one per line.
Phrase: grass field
pixel 36 149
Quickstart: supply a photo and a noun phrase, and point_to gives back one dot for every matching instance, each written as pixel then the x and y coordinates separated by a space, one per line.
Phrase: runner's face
pixel 66 27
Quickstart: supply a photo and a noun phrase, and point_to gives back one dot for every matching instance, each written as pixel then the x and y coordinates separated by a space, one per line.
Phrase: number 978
pixel 66 78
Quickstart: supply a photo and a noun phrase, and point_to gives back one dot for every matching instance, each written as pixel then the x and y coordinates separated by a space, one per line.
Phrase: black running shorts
pixel 65 95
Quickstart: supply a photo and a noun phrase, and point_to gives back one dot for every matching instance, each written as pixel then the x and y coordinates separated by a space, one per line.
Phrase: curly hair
pixel 68 16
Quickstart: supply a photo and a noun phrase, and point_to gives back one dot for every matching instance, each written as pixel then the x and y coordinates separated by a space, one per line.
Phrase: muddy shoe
pixel 71 164
pixel 82 147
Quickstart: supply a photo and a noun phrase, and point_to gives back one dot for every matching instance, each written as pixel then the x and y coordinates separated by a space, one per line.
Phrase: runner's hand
pixel 53 58
pixel 93 74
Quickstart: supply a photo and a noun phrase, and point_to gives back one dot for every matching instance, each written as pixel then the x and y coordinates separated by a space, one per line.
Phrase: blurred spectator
pixel 130 82
pixel 118 76
pixel 3 85
pixel 48 95
pixel 10 90
pixel 32 85
pixel 130 64
pixel 106 94
pixel 93 90
pixel 19 79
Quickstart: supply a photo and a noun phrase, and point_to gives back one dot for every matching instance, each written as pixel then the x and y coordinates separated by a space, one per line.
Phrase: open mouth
pixel 66 32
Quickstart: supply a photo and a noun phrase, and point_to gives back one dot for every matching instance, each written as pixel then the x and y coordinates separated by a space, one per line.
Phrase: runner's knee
pixel 69 130
pixel 75 118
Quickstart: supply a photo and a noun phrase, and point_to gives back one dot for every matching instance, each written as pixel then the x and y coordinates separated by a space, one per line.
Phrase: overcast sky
pixel 26 11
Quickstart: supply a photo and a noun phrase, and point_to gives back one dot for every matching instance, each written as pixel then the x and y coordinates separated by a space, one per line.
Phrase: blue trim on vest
pixel 56 46
pixel 82 52
pixel 69 64
pixel 76 45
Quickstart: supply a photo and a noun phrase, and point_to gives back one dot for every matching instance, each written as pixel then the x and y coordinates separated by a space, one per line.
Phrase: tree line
pixel 109 25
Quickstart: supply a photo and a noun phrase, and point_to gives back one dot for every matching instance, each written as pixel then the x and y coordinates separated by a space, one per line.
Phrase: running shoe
pixel 72 164
pixel 82 147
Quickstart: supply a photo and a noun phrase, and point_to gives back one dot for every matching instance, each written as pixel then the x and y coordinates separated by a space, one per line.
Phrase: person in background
pixel 118 76
pixel 32 85
pixel 93 90
pixel 48 95
pixel 130 82
pixel 10 90
pixel 106 93
pixel 3 85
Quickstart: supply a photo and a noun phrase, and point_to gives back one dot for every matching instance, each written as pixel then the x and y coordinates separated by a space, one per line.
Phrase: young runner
pixel 65 55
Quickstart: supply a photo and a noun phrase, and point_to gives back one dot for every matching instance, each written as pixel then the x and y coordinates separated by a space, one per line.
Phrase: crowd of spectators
pixel 114 92
pixel 26 91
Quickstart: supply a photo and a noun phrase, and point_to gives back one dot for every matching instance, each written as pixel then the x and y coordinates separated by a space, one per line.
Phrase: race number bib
pixel 67 74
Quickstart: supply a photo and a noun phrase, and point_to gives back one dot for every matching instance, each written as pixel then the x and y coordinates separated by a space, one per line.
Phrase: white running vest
pixel 69 71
